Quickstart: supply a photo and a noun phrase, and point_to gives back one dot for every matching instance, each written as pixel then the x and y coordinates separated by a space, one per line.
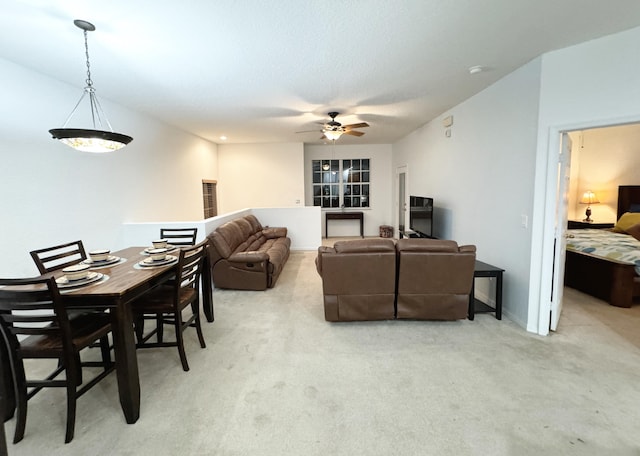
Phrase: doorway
pixel 602 158
pixel 401 202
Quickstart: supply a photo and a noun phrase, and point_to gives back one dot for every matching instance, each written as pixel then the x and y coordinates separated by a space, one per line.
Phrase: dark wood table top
pixel 124 279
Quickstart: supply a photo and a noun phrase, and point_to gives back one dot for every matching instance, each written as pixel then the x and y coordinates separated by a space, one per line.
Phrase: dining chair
pixel 167 303
pixel 35 325
pixel 59 256
pixel 179 236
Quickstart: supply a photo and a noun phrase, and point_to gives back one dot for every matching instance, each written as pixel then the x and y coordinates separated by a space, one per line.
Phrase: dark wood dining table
pixel 126 282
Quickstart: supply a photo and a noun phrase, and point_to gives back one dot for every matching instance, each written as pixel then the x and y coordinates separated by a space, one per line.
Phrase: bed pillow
pixel 634 231
pixel 626 221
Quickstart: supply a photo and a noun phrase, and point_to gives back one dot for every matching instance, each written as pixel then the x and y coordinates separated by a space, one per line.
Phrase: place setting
pixel 101 258
pixel 159 244
pixel 79 275
pixel 157 257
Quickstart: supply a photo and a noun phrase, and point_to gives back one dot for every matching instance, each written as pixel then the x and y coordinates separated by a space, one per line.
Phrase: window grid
pixel 335 186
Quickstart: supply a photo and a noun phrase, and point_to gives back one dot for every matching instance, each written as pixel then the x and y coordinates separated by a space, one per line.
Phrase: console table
pixel 475 305
pixel 343 216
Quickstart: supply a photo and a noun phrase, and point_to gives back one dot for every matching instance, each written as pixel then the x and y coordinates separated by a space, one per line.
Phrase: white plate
pixel 110 260
pixel 63 282
pixel 169 247
pixel 148 262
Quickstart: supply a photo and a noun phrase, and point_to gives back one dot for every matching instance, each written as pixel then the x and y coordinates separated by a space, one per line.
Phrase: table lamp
pixel 589 198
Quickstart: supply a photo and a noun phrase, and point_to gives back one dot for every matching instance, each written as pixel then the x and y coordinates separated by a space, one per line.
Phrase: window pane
pixel 365 164
pixel 317 201
pixel 365 176
pixel 365 190
pixel 335 202
pixel 317 178
pixel 355 202
pixel 315 165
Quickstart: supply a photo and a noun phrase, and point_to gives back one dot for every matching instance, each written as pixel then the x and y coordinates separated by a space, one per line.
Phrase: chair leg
pixel 196 311
pixel 138 325
pixel 71 411
pixel 20 389
pixel 105 352
pixel 180 341
pixel 160 327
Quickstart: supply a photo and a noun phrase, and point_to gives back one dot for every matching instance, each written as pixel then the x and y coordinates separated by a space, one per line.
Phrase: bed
pixel 600 270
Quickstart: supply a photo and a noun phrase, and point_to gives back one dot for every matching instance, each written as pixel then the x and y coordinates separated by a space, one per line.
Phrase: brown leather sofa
pixel 434 279
pixel 377 279
pixel 247 256
pixel 358 279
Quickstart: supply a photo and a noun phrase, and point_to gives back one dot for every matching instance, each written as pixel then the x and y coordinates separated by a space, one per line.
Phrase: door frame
pixel 544 219
pixel 401 169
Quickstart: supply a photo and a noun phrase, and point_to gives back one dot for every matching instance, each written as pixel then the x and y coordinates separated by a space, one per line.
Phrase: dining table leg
pixel 126 362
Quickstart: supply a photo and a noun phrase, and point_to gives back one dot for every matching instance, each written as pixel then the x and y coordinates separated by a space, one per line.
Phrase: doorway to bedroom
pixel 601 159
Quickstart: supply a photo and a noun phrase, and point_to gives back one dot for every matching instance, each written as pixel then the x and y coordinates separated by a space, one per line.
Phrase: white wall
pixel 380 211
pixel 260 175
pixel 302 223
pixel 481 178
pixel 588 85
pixel 52 194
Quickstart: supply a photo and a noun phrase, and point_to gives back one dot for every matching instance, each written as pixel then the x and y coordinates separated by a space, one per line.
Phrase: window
pixel 209 198
pixel 341 184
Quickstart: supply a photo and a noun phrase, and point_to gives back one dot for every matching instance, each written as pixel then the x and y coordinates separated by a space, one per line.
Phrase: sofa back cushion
pixel 434 279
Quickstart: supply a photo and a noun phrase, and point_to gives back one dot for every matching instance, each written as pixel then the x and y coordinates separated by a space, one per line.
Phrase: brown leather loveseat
pixel 377 279
pixel 247 256
pixel 358 279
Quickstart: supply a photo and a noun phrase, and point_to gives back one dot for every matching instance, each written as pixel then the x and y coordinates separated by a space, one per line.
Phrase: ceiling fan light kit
pixel 333 129
pixel 90 140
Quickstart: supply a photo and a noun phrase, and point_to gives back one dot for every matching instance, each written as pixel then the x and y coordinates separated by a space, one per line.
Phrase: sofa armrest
pixel 467 249
pixel 248 257
pixel 322 249
pixel 274 232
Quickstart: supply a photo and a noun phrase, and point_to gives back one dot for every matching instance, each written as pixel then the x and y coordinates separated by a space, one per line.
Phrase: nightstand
pixel 579 225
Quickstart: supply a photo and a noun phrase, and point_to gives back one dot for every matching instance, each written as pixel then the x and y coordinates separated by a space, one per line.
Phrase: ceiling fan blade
pixel 358 125
pixel 308 131
pixel 353 133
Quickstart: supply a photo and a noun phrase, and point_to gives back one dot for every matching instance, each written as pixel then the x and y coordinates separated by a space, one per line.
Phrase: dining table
pixel 120 283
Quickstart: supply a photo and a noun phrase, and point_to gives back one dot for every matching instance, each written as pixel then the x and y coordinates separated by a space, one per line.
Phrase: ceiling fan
pixel 333 129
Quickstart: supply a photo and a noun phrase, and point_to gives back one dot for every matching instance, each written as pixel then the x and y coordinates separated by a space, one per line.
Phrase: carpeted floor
pixel 276 379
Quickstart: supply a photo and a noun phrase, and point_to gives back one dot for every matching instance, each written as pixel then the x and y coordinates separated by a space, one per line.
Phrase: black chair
pixel 179 236
pixel 58 256
pixel 34 324
pixel 167 303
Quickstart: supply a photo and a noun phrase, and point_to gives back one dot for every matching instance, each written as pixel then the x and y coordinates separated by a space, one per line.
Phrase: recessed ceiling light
pixel 224 138
pixel 476 69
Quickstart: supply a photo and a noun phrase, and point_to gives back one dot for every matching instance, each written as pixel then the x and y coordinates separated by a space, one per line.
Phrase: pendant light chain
pixel 86 52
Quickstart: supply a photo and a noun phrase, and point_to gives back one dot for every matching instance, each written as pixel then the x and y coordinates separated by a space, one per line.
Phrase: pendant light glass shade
pixel 90 140
pixel 332 134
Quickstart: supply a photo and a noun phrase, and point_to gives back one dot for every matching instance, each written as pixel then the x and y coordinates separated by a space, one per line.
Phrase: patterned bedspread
pixel 606 244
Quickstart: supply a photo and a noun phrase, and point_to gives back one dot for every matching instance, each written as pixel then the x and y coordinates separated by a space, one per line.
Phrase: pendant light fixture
pixel 90 140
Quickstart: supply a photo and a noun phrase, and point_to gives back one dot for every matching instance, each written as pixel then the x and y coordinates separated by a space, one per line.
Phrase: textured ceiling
pixel 260 71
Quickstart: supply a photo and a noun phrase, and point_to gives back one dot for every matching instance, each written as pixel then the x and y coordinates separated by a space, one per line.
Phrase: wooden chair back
pixel 59 256
pixel 179 236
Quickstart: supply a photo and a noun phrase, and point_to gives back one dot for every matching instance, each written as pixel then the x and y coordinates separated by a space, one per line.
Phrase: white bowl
pixel 160 243
pixel 76 272
pixel 99 255
pixel 157 254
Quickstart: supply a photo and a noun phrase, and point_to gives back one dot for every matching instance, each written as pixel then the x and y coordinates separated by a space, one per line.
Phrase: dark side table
pixel 475 305
pixel 343 216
